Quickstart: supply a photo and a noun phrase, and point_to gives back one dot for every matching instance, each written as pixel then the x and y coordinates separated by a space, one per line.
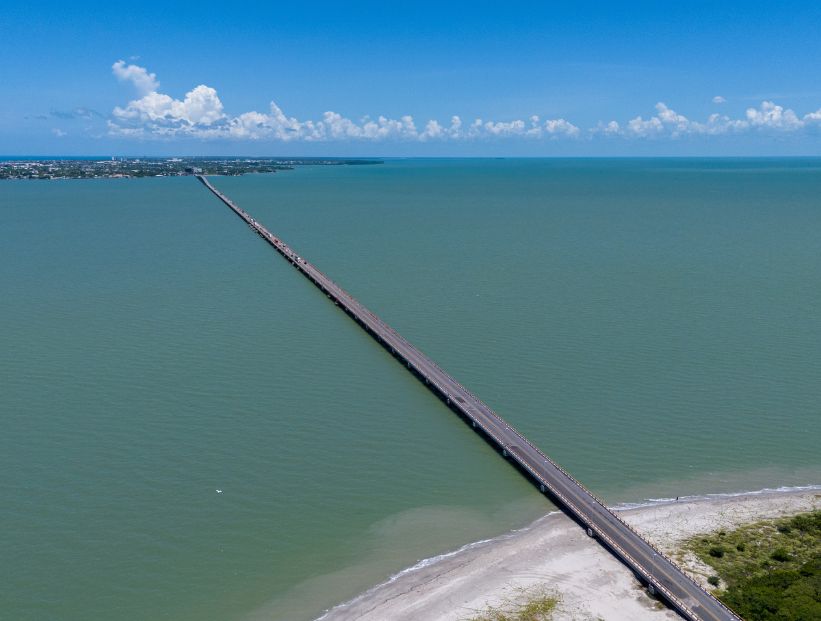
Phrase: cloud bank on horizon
pixel 201 115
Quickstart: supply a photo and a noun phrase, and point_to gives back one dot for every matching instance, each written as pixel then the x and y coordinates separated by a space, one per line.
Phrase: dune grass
pixel 528 606
pixel 767 570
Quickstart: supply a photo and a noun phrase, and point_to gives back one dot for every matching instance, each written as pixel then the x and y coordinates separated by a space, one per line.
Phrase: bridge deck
pixel 655 569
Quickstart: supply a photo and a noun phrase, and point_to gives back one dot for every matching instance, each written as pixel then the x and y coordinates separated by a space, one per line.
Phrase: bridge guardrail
pixel 361 312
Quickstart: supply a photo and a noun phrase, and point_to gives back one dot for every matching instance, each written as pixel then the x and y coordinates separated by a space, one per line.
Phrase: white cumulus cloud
pixel 143 81
pixel 201 114
pixel 668 123
pixel 813 117
pixel 772 116
pixel 200 106
pixel 559 127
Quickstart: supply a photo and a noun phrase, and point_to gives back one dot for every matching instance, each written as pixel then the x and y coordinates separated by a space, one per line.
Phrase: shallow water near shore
pixel 651 324
pixel 554 553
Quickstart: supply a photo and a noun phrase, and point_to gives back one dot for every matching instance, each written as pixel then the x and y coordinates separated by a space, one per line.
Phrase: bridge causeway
pixel 650 565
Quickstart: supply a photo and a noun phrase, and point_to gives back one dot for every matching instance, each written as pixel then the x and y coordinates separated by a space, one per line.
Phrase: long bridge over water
pixel 659 573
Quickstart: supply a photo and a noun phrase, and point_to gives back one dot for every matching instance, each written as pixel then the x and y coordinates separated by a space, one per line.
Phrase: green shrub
pixel 807 523
pixel 778 576
pixel 538 606
pixel 779 595
pixel 717 551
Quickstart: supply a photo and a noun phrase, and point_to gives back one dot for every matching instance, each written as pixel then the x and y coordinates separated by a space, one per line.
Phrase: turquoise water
pixel 651 324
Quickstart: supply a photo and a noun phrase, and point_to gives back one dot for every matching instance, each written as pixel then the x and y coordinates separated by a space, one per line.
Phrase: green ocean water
pixel 653 325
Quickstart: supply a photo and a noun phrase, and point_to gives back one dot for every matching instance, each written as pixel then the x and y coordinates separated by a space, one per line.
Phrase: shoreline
pixel 554 553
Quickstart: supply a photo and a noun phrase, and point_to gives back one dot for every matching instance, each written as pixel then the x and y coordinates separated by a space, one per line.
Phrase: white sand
pixel 555 554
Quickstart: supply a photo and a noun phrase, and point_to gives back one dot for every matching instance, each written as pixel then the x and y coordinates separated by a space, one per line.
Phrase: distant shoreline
pixel 43 169
pixel 553 552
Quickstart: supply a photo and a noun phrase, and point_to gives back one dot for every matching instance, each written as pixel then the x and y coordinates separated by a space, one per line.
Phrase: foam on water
pixel 422 564
pixel 649 326
pixel 650 502
pixel 428 562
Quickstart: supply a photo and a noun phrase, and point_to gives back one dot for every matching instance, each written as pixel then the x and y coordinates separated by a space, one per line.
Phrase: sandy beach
pixel 554 553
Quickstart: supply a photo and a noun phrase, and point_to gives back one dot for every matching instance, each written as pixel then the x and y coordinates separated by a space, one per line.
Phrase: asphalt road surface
pixel 649 564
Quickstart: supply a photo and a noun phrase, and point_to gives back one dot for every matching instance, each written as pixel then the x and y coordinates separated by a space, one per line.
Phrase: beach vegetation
pixel 771 569
pixel 538 605
pixel 717 551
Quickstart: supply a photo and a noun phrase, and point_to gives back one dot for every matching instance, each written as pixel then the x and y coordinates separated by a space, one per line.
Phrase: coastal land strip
pixel 554 554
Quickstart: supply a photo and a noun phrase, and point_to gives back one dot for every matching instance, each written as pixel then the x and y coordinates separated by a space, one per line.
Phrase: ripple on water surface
pixel 651 325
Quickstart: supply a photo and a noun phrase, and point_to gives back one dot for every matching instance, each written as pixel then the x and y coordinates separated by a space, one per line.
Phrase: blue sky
pixel 418 79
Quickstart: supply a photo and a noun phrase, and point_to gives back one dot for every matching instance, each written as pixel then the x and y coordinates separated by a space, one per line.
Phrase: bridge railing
pixel 575 481
pixel 361 310
pixel 615 546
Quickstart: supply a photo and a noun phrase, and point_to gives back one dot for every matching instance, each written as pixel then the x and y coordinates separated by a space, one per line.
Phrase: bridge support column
pixel 651 589
pixel 473 422
pixel 504 452
pixel 542 488
pixel 589 532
